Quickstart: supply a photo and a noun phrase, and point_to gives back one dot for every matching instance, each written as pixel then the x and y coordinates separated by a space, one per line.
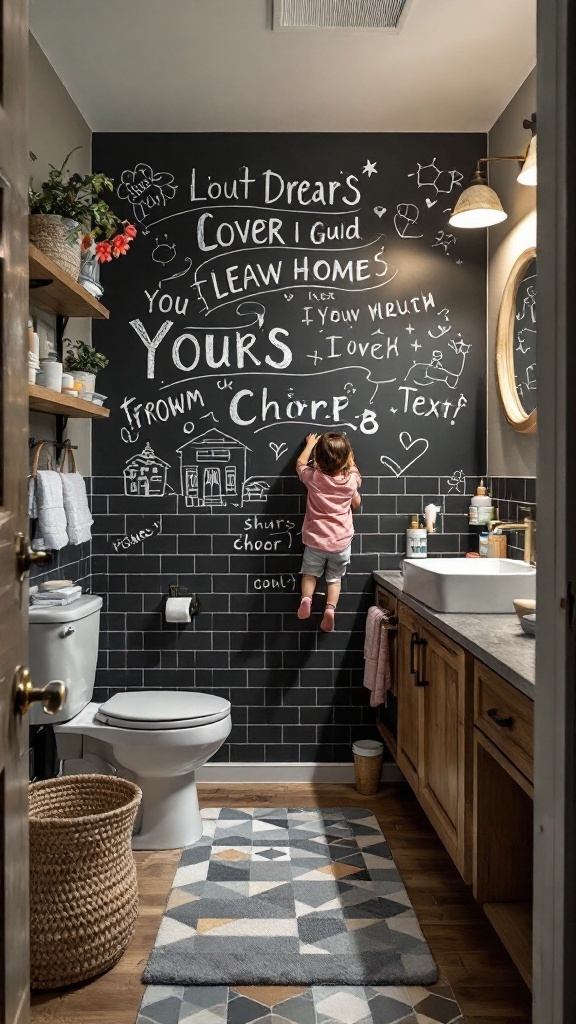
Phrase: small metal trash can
pixel 368 757
pixel 83 890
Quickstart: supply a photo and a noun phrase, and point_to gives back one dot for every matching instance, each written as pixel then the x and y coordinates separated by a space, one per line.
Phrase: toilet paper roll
pixel 178 609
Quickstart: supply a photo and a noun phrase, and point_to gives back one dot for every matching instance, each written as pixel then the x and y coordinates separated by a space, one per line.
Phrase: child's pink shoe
pixel 327 624
pixel 305 607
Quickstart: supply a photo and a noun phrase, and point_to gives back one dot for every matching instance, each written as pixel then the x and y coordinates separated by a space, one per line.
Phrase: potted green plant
pixel 84 362
pixel 68 213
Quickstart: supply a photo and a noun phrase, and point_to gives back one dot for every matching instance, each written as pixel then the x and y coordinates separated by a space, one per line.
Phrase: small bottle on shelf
pixel 416 540
pixel 481 510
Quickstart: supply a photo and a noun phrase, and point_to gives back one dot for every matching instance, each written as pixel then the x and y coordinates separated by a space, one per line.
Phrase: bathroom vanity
pixel 461 729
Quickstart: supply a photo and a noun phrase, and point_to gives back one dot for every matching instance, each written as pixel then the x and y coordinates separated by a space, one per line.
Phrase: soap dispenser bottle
pixel 481 510
pixel 416 540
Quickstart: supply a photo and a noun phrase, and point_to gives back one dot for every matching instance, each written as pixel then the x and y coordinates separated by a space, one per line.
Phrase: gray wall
pixel 509 453
pixel 56 126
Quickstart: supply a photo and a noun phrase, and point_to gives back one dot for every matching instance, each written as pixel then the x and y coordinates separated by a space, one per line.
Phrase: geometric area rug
pixel 289 897
pixel 166 1004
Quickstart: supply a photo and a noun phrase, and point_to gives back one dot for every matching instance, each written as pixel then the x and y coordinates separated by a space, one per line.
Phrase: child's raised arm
pixel 356 501
pixel 306 452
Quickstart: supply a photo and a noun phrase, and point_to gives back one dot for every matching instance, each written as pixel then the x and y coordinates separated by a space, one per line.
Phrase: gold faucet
pixel 529 528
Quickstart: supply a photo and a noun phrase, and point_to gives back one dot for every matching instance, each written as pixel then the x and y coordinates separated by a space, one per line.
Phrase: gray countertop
pixel 496 640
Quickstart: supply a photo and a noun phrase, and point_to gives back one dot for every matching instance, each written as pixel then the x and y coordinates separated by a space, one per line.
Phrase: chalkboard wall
pixel 279 284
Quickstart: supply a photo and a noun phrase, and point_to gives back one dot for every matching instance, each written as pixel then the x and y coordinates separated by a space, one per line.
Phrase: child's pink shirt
pixel 328 520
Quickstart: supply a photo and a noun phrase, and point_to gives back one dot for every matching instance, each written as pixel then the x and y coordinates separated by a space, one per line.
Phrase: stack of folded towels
pixel 54 597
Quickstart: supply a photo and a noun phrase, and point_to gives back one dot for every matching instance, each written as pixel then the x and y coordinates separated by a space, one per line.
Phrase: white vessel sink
pixel 469 584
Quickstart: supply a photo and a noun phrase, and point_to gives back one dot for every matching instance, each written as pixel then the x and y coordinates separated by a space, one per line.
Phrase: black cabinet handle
pixel 413 642
pixel 505 722
pixel 419 681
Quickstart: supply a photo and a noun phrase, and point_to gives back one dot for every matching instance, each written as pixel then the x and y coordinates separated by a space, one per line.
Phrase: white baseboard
pixel 310 771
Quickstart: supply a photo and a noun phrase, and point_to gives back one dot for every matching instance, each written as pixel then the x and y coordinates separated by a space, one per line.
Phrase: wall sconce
pixel 479 205
pixel 528 174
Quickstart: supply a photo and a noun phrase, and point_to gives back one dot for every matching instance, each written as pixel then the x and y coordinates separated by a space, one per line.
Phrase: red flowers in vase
pixel 119 245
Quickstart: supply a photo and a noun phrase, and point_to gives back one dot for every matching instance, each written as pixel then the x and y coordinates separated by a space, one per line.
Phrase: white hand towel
pixel 55 602
pixel 78 515
pixel 46 499
pixel 45 596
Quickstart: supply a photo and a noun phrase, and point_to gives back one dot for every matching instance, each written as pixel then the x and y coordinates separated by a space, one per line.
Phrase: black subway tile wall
pixel 514 499
pixel 297 694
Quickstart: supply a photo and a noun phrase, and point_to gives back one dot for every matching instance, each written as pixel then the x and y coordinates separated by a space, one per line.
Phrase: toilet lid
pixel 162 709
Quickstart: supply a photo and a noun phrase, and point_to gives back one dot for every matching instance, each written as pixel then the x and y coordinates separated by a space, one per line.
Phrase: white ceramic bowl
pixel 528 623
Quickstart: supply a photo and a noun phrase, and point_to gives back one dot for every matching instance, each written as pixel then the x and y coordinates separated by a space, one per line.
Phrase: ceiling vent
pixel 367 14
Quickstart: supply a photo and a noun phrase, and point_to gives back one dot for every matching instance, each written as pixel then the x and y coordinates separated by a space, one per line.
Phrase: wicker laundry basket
pixel 83 890
pixel 51 234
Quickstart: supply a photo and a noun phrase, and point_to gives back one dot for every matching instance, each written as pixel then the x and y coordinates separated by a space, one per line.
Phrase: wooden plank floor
pixel 466 949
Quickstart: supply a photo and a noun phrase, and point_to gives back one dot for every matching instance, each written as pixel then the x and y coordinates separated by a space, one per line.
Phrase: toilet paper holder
pixel 175 590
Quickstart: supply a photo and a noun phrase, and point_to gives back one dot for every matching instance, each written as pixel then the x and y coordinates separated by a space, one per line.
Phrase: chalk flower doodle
pixel 146 190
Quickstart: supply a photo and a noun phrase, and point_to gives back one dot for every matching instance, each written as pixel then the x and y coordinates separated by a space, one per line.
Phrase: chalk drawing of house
pixel 145 475
pixel 212 469
pixel 255 490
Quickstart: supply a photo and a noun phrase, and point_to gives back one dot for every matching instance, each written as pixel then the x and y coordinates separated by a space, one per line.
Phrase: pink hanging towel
pixel 377 677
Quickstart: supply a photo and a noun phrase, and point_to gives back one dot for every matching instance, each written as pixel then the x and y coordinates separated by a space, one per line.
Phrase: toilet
pixel 156 738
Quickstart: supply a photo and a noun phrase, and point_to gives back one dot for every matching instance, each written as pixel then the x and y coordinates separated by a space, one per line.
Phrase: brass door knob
pixel 25 693
pixel 25 556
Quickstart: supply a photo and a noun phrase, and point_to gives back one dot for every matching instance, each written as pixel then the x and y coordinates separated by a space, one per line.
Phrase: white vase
pixel 89 276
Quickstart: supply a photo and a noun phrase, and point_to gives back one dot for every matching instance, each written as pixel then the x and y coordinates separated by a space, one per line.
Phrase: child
pixel 332 485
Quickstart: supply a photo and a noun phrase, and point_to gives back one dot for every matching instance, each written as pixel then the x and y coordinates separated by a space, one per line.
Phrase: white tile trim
pixel 278 771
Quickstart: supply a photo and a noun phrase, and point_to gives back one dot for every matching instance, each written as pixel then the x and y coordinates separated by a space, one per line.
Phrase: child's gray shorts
pixel 314 561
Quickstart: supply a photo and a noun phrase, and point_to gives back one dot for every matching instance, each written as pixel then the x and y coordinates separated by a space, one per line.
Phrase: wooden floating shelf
pixel 513 922
pixel 44 400
pixel 61 295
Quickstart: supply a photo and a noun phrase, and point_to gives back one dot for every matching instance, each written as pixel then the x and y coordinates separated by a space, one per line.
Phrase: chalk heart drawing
pixel 379 211
pixel 278 449
pixel 288 297
pixel 431 202
pixel 415 449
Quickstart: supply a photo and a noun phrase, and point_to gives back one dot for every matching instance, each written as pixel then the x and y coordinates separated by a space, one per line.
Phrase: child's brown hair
pixel 333 454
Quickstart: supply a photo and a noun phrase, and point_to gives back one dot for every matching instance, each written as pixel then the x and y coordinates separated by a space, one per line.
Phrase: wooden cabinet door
pixel 445 748
pixel 407 756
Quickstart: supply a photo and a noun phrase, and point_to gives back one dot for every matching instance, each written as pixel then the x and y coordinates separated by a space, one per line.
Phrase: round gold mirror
pixel 516 338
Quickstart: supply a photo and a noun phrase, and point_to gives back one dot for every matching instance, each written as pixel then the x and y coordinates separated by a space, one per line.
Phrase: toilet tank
pixel 63 644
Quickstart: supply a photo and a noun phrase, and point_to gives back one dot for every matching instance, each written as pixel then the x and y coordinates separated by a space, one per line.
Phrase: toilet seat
pixel 162 709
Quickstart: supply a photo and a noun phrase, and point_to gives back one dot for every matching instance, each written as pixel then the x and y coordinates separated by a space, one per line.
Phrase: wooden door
pixel 407 752
pixel 445 764
pixel 14 971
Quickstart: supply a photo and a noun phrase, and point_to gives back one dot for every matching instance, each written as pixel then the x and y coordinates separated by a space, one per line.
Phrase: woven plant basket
pixel 83 890
pixel 51 234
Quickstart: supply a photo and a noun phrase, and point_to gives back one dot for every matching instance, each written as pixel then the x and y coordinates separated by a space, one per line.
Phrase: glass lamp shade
pixel 528 174
pixel 477 207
